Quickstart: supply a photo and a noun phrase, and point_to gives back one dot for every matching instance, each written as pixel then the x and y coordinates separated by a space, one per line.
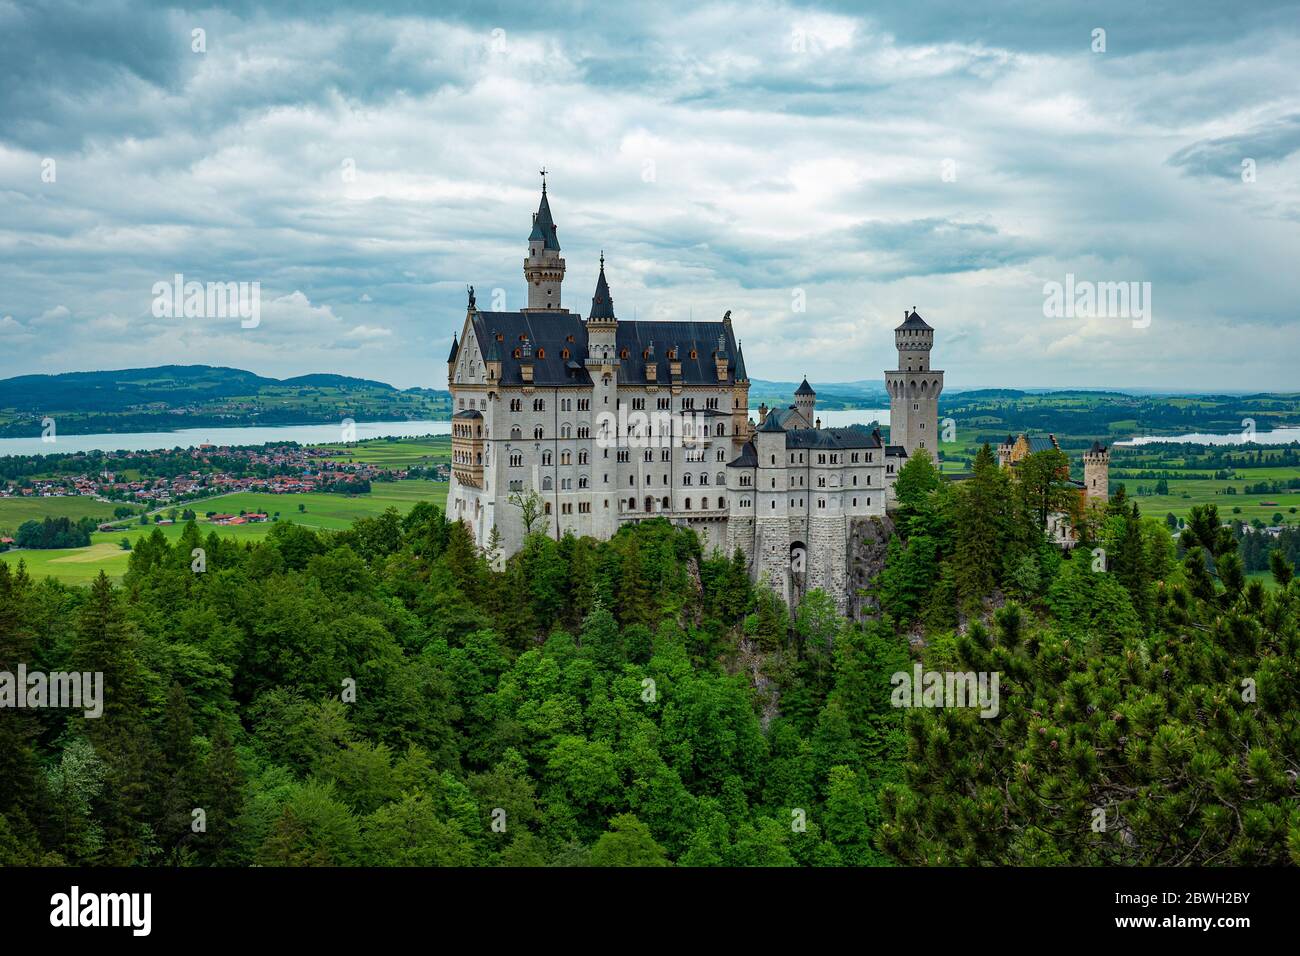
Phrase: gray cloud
pixel 1223 156
pixel 364 167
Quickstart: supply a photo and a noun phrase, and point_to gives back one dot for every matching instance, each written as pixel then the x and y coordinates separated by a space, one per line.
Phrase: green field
pixel 14 511
pixel 397 452
pixel 326 512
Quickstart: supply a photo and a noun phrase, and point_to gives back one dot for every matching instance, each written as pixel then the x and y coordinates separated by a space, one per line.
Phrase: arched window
pixel 516 433
pixel 546 459
pixel 688 504
pixel 537 432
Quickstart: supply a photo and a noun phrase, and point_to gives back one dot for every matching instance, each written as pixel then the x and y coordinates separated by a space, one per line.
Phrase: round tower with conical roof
pixel 805 402
pixel 544 267
pixel 914 388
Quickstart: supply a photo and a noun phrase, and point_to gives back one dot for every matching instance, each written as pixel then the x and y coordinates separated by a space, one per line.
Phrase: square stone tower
pixel 914 389
pixel 1096 472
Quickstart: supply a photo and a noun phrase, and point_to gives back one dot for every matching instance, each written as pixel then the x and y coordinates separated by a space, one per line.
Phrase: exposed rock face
pixel 867 544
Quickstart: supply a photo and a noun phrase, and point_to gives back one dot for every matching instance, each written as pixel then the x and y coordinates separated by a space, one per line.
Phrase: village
pixel 171 476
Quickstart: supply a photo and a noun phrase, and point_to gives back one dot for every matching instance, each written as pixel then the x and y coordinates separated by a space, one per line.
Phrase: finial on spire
pixel 602 260
pixel 542 172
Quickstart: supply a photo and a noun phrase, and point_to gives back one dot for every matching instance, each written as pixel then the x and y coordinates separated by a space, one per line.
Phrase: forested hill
pixel 183 396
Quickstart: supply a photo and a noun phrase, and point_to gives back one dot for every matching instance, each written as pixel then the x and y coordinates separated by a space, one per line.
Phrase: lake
pixel 1279 436
pixel 842 417
pixel 305 434
pixel 191 437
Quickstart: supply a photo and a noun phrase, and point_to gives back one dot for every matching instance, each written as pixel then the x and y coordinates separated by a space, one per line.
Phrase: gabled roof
pixel 686 337
pixel 770 424
pixel 549 332
pixel 784 417
pixel 833 439
pixel 1037 444
pixel 547 335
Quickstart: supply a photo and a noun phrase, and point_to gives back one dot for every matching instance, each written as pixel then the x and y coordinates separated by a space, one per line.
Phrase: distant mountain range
pixel 169 397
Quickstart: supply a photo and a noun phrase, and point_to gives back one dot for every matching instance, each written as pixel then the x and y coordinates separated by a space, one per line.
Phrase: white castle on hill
pixel 610 422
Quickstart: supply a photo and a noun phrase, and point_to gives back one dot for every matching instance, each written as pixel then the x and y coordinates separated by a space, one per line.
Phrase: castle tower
pixel 544 267
pixel 1096 472
pixel 772 556
pixel 740 427
pixel 805 402
pixel 1004 452
pixel 602 365
pixel 914 389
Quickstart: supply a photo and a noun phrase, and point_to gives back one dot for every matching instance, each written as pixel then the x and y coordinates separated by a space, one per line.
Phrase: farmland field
pixel 323 511
pixel 397 452
pixel 14 511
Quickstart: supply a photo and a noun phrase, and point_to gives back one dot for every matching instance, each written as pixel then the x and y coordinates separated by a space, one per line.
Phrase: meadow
pixel 14 511
pixel 397 452
pixel 322 511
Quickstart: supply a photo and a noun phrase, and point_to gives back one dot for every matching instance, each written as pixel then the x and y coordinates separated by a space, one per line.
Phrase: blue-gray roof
pixel 549 334
pixel 544 226
pixel 914 321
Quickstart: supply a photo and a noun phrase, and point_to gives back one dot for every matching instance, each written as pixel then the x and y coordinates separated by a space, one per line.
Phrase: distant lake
pixel 843 417
pixel 1279 436
pixel 193 437
pixel 308 434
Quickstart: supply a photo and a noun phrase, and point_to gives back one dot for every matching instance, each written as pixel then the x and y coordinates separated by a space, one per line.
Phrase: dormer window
pixel 519 353
pixel 624 353
pixel 564 353
pixel 694 354
pixel 541 353
pixel 501 336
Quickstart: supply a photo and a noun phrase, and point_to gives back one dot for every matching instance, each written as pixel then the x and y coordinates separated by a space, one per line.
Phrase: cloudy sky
pixel 755 156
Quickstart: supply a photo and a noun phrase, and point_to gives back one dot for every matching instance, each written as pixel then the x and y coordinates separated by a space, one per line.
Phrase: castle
pixel 582 425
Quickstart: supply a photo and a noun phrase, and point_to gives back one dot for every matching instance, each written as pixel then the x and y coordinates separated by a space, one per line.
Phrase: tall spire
pixel 544 229
pixel 544 266
pixel 602 305
pixel 741 374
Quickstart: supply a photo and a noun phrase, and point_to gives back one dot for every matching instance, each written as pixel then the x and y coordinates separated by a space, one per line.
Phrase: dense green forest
pixel 384 695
